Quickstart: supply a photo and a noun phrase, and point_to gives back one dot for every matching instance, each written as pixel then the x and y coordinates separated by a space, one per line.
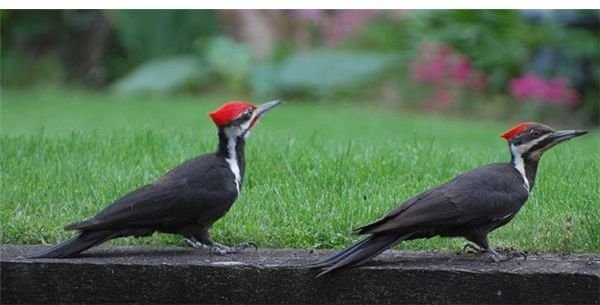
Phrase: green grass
pixel 314 171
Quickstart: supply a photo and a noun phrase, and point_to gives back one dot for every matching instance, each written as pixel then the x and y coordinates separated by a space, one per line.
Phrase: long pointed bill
pixel 558 137
pixel 563 135
pixel 262 108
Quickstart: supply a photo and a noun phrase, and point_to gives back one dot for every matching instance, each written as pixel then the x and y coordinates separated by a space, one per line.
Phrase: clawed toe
pixel 515 254
pixel 245 245
pixel 194 243
pixel 220 249
pixel 469 246
pixel 496 257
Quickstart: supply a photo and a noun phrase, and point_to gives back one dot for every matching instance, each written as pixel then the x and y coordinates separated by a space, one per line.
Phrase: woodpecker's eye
pixel 534 132
pixel 246 115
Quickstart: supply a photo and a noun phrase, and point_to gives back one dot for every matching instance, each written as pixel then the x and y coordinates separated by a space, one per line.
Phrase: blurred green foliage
pixel 91 47
pixel 29 46
pixel 149 34
pixel 322 70
pixel 328 55
pixel 319 73
pixel 182 71
pixel 230 61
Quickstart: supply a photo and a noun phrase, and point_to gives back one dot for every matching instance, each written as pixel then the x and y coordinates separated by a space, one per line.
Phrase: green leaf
pixel 162 75
pixel 322 71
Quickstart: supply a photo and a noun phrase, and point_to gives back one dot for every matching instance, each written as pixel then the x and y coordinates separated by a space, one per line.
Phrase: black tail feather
pixel 332 259
pixel 75 245
pixel 360 252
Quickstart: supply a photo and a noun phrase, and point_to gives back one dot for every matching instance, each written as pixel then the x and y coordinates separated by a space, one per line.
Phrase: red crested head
pixel 516 130
pixel 229 111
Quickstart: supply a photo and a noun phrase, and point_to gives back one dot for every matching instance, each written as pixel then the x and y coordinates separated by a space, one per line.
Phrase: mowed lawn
pixel 314 171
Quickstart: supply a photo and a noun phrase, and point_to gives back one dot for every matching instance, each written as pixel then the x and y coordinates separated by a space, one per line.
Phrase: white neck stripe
pixel 232 161
pixel 519 164
pixel 233 133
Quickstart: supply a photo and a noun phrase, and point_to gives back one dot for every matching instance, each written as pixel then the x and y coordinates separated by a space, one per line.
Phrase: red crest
pixel 223 115
pixel 518 129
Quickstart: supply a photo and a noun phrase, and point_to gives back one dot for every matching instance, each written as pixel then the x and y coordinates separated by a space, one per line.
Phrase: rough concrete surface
pixel 173 275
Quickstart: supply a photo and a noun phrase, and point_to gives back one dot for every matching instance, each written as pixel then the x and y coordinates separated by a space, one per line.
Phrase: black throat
pixel 530 165
pixel 225 151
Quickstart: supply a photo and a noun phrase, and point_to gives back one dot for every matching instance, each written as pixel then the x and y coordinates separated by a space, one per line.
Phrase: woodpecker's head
pixel 237 118
pixel 530 140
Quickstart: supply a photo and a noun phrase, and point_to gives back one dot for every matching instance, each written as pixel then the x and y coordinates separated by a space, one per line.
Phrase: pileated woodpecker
pixel 470 205
pixel 187 200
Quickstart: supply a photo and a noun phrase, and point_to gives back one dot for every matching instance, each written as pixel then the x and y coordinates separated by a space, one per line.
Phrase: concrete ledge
pixel 142 275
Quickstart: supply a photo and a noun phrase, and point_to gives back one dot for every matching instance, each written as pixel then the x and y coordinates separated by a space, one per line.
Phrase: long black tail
pixel 360 252
pixel 75 245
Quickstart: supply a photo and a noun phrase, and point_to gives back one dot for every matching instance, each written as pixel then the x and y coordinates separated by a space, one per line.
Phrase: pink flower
pixel 462 70
pixel 440 64
pixel 526 86
pixel 448 72
pixel 555 91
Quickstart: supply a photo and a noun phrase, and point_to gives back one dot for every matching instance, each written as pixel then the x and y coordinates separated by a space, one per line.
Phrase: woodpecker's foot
pixel 513 254
pixel 470 246
pixel 493 255
pixel 496 257
pixel 194 243
pixel 220 249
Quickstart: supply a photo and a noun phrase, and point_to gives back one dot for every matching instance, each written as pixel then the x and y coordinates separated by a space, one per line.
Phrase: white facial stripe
pixel 519 164
pixel 523 148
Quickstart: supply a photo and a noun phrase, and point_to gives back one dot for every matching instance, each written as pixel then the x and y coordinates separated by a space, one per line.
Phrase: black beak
pixel 564 135
pixel 262 108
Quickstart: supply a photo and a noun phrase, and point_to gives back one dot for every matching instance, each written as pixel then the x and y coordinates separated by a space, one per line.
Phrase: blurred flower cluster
pixel 532 87
pixel 336 25
pixel 447 72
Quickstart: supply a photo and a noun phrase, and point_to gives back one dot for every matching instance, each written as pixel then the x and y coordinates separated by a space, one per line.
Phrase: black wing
pixel 480 196
pixel 187 194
